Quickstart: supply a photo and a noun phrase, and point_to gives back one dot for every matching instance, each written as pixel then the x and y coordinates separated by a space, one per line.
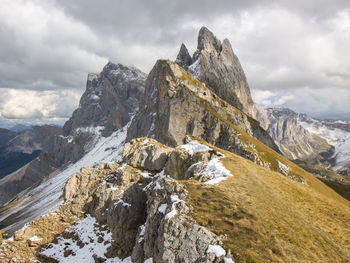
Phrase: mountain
pixel 108 104
pixel 311 140
pixel 192 203
pixel 20 127
pixel 6 136
pixel 185 175
pixel 296 142
pixel 215 64
pixel 24 146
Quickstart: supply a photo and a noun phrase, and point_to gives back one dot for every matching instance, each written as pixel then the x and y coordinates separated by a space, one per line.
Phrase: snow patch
pixel 217 171
pixel 284 168
pixel 162 208
pixel 150 260
pixel 35 239
pixel 340 139
pixel 157 186
pixel 195 68
pixel 85 244
pixel 174 199
pixel 194 147
pixel 217 250
pixel 122 202
pixel 142 233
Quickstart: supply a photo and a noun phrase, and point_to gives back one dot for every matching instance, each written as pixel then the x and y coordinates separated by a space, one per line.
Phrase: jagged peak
pixel 208 41
pixel 183 58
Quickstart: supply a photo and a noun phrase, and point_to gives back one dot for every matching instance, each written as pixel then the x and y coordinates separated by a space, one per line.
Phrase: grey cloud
pixel 284 46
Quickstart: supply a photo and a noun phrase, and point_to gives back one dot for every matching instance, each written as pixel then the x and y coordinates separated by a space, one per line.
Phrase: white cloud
pixel 51 106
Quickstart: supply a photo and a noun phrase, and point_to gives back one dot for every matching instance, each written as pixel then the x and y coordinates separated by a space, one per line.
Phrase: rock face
pixel 176 104
pixel 183 59
pixel 145 211
pixel 108 104
pixel 294 141
pixel 110 100
pixel 215 64
pixel 312 141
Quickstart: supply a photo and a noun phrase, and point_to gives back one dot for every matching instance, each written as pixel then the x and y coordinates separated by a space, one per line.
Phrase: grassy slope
pixel 267 217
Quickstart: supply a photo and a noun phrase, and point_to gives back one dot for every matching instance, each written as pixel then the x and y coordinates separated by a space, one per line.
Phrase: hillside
pixel 149 207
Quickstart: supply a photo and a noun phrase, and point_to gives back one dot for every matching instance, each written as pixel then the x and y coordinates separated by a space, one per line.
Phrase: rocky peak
pixel 109 101
pixel 207 41
pixel 215 64
pixel 183 59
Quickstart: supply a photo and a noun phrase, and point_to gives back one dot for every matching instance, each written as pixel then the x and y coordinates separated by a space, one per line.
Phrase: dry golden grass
pixel 267 217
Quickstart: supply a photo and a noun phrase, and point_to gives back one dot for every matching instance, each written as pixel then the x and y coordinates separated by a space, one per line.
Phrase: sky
pixel 295 53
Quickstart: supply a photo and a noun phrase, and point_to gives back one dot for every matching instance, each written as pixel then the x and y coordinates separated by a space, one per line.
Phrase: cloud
pixel 284 46
pixel 43 48
pixel 38 106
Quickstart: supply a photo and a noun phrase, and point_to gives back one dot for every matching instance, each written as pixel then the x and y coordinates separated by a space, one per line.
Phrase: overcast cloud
pixel 294 53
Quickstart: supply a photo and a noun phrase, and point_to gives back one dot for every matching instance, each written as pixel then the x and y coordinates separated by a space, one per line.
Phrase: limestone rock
pixel 171 94
pixel 215 64
pixel 146 154
pixel 171 235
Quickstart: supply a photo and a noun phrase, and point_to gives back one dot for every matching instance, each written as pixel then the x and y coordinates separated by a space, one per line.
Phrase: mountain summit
pixel 215 64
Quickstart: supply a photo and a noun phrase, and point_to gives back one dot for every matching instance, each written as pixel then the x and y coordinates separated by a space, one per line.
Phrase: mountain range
pixel 181 165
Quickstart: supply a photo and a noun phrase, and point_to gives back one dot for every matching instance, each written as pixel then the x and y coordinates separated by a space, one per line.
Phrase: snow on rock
pixel 217 171
pixel 142 233
pixel 217 250
pixel 162 208
pixel 48 195
pixel 35 239
pixel 174 199
pixel 194 147
pixel 122 202
pixel 228 260
pixel 157 186
pixel 83 243
pixel 150 260
pixel 195 68
pixel 284 168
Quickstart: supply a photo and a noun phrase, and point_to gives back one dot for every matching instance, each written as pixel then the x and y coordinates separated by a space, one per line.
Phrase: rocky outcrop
pixel 215 64
pixel 176 104
pixel 145 211
pixel 146 153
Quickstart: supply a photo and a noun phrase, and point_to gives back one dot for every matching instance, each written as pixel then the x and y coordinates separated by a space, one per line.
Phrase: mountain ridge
pixel 189 177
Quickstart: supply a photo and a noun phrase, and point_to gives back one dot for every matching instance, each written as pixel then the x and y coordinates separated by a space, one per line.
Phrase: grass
pixel 264 216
